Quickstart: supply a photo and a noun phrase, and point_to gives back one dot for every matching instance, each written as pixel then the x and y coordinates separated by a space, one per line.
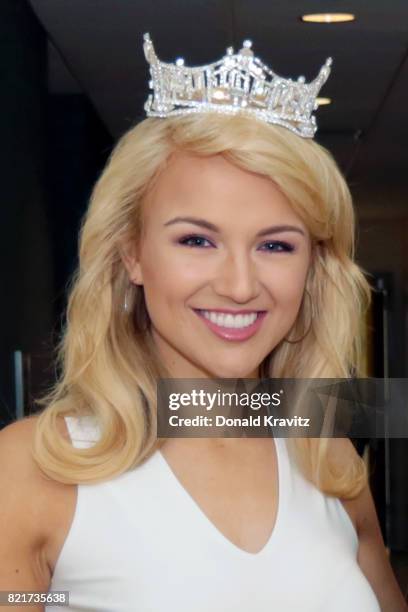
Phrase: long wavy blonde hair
pixel 108 363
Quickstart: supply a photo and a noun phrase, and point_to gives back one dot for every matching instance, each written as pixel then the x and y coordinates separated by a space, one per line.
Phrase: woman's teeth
pixel 229 320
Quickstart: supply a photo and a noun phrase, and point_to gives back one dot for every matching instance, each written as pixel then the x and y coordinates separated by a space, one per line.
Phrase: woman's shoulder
pixel 16 440
pixel 343 455
pixel 341 452
pixel 20 473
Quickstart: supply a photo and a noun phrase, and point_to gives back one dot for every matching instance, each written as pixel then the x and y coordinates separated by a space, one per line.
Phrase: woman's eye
pixel 274 246
pixel 271 246
pixel 194 241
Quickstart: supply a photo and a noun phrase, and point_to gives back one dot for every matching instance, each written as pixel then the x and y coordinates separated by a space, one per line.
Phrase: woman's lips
pixel 233 333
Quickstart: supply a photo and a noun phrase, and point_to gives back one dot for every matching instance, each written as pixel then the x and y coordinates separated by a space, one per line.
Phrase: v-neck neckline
pixel 282 461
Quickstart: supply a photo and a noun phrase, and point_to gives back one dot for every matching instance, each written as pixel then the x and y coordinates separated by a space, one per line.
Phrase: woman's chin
pixel 230 372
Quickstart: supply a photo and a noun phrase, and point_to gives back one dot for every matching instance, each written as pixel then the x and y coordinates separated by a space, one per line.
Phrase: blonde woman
pixel 194 215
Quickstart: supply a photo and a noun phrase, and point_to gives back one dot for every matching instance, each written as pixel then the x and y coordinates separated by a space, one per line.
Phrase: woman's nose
pixel 236 278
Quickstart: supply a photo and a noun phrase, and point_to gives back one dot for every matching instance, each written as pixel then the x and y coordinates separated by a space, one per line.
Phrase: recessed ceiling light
pixel 323 101
pixel 328 17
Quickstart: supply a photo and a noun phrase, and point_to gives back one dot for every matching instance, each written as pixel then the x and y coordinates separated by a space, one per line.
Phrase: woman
pixel 194 218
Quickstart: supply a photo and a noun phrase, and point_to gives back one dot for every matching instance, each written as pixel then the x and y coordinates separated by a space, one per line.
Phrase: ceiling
pixel 96 48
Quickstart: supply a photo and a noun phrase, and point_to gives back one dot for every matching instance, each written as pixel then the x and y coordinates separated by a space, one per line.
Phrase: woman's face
pixel 214 243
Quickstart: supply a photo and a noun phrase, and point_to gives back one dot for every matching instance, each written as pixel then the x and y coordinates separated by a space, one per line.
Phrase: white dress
pixel 140 543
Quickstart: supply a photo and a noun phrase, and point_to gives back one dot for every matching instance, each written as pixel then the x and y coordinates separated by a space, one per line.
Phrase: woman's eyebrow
pixel 273 229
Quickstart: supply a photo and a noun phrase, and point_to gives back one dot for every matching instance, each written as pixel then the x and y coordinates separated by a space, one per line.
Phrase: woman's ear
pixel 130 259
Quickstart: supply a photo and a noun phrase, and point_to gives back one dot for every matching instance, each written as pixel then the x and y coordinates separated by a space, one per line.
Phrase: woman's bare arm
pixel 373 558
pixel 372 554
pixel 23 512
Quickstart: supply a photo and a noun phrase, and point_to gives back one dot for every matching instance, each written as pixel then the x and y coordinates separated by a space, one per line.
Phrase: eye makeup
pixel 196 241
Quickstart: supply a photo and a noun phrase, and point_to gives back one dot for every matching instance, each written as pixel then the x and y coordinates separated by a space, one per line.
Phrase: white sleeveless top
pixel 140 543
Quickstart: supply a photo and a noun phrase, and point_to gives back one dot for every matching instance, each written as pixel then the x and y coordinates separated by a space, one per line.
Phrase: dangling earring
pixel 310 324
pixel 126 302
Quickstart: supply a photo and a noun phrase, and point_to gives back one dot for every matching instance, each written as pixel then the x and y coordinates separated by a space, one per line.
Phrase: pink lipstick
pixel 233 333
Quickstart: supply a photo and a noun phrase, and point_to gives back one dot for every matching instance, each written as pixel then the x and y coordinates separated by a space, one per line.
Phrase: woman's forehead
pixel 213 185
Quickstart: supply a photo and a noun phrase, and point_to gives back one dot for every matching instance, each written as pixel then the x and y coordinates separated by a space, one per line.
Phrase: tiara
pixel 238 83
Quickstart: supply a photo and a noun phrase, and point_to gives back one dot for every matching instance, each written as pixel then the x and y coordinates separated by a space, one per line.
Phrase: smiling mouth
pixel 229 320
pixel 232 327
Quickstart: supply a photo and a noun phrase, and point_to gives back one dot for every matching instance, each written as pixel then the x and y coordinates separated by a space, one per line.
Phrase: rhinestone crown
pixel 238 83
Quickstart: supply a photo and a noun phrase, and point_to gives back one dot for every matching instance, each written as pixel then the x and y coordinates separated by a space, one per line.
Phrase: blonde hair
pixel 109 367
